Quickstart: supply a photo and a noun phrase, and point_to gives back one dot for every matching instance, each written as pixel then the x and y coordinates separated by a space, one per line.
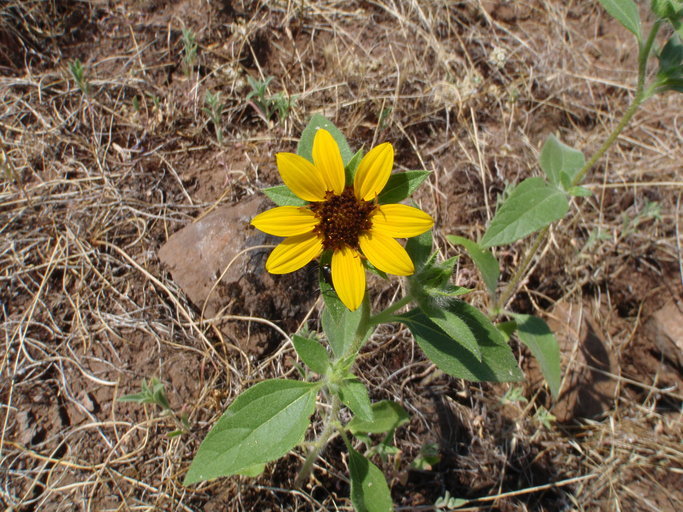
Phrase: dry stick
pixel 641 95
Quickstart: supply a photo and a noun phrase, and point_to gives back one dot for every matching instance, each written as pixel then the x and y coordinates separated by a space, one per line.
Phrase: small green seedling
pixel 78 74
pixel 153 392
pixel 189 51
pixel 214 109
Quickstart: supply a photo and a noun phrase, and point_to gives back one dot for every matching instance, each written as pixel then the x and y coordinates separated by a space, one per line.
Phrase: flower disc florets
pixel 343 218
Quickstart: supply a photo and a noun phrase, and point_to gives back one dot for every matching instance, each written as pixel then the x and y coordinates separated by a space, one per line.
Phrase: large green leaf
pixel 557 158
pixel 497 363
pixel 532 205
pixel 354 395
pixel 261 425
pixel 387 416
pixel 458 320
pixel 282 196
pixel 305 146
pixel 536 335
pixel 369 489
pixel 312 353
pixel 626 12
pixel 483 259
pixel 401 185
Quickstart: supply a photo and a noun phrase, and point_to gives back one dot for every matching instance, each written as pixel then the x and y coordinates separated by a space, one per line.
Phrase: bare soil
pixel 98 181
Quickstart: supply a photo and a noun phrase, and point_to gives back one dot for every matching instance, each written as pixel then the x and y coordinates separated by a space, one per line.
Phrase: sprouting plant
pixel 153 392
pixel 189 51
pixel 650 211
pixel 268 105
pixel 346 210
pixel 78 74
pixel 449 502
pixel 513 395
pixel 214 109
pixel 544 417
pixel 6 166
pixel 430 456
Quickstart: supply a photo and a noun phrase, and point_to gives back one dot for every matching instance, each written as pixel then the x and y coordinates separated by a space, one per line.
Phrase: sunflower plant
pixel 346 210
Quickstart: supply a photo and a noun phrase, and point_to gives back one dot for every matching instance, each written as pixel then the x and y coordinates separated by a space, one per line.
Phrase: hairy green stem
pixel 641 95
pixel 386 314
pixel 320 443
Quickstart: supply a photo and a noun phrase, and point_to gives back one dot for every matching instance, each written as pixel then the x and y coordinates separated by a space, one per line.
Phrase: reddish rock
pixel 219 263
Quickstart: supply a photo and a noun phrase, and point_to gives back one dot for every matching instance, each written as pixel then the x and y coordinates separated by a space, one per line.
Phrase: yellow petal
pixel 301 176
pixel 286 221
pixel 400 221
pixel 348 277
pixel 373 172
pixel 328 160
pixel 386 254
pixel 293 253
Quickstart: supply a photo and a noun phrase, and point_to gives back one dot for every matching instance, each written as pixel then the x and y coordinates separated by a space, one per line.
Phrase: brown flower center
pixel 343 218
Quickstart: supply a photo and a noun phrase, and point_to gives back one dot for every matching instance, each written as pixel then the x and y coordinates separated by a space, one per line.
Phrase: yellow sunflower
pixel 344 219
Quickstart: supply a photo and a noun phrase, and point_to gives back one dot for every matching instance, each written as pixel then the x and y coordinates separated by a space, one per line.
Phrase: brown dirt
pixel 468 90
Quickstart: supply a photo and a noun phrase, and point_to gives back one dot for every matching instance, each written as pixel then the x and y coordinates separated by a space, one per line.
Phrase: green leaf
pixel 369 489
pixel 667 9
pixel 532 205
pixel 497 363
pixel 253 471
pixel 354 395
pixel 507 329
pixel 460 321
pixel 419 249
pixel 484 260
pixel 282 196
pixel 626 12
pixel 557 158
pixel 312 353
pixel 261 425
pixel 670 73
pixel 387 416
pixel 305 146
pixel 579 192
pixel 401 185
pixel 536 335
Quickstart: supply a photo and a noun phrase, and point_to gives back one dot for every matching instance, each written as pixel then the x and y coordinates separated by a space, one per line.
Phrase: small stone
pixel 665 327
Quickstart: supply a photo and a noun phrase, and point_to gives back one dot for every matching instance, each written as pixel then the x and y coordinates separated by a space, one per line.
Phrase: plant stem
pixel 320 443
pixel 641 95
pixel 511 287
pixel 385 315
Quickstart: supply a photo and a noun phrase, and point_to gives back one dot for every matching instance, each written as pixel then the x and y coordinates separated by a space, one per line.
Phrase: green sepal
pixel 351 167
pixel 305 146
pixel 401 185
pixel 282 196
